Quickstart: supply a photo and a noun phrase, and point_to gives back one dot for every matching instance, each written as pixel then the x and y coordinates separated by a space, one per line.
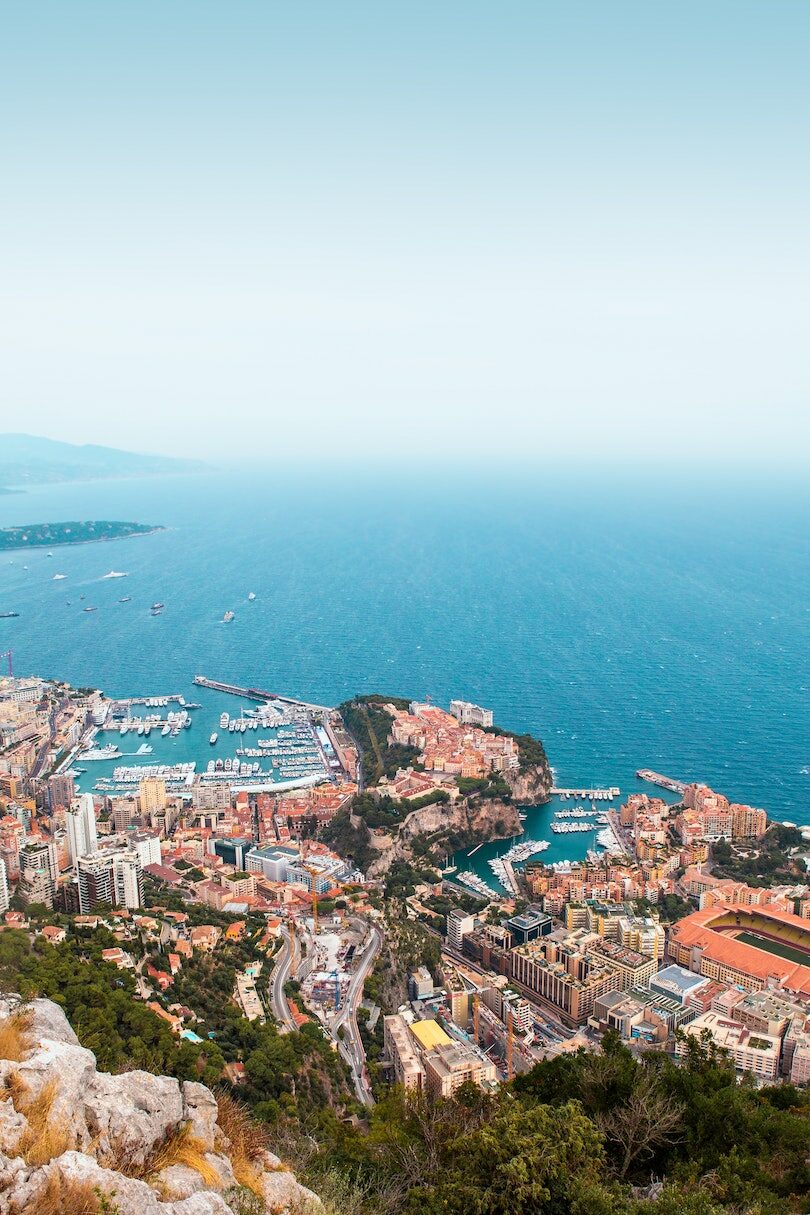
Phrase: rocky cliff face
pixel 73 1139
pixel 531 787
pixel 474 818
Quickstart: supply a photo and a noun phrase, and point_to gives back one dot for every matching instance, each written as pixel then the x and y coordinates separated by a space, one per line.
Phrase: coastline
pixel 17 548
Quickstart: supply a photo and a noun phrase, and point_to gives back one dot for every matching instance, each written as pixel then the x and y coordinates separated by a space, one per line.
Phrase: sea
pixel 630 617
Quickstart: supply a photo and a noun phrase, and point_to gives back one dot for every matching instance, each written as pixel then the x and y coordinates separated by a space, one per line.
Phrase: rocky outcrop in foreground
pixel 73 1139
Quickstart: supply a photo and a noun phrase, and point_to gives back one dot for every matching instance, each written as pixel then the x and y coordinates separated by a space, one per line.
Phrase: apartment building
pixel 753 1052
pixel 401 1050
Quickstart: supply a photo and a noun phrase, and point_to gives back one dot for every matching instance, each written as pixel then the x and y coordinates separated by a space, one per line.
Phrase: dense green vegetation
pixel 669 908
pixel 494 785
pixel 586 1135
pixel 351 840
pixel 48 535
pixel 290 1075
pixel 772 861
pixel 99 1003
pixel 370 725
pixel 403 878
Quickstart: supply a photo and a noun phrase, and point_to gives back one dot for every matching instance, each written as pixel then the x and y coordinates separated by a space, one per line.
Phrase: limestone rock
pixel 200 1110
pixel 178 1180
pixel 12 1127
pixel 115 1124
pixel 283 1193
pixel 49 1021
pixel 130 1114
pixel 67 1069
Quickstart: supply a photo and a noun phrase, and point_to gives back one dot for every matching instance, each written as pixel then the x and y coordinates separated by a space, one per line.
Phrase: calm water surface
pixel 629 620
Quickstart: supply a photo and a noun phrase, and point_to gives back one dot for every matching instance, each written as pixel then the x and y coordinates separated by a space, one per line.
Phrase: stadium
pixel 750 947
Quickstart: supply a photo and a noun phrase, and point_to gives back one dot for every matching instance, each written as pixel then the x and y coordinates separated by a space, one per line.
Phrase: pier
pixel 254 693
pixel 594 795
pixel 665 782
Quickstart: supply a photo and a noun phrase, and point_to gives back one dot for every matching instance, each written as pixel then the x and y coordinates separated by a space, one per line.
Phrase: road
pixel 351 1045
pixel 279 976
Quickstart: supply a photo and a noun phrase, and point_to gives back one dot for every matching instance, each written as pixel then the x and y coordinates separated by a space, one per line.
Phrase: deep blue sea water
pixel 629 618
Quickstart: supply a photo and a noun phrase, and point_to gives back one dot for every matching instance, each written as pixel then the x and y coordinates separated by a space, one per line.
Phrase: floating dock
pixel 594 795
pixel 665 782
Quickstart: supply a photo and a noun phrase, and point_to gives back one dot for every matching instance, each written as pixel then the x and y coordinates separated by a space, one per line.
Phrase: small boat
pixel 8 615
pixel 212 739
pixel 89 609
pixel 166 730
pixel 114 574
pixel 251 595
pixel 126 599
pixel 58 577
pixel 228 617
pixel 157 608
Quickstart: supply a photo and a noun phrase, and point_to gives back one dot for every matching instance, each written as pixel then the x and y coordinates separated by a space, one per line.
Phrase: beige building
pixel 403 1054
pixel 753 1052
pixel 644 934
pixel 451 1064
pixel 152 795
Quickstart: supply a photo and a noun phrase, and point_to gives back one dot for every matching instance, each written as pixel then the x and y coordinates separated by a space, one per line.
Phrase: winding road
pixel 280 974
pixel 350 1045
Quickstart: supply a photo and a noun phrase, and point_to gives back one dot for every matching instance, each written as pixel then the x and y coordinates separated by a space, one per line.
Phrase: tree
pixel 534 1162
pixel 650 1118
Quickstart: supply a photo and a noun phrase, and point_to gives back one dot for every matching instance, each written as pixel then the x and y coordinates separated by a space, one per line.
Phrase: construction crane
pixel 8 655
pixel 510 1042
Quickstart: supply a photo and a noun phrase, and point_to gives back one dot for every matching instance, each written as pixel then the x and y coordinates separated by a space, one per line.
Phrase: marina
pixel 505 874
pixel 525 848
pixel 609 840
pixel 577 812
pixel 468 878
pixel 295 750
pixel 591 795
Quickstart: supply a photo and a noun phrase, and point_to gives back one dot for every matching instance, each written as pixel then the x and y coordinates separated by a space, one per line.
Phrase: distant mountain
pixel 29 460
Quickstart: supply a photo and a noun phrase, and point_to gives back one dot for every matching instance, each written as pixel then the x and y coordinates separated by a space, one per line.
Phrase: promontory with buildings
pixel 310 851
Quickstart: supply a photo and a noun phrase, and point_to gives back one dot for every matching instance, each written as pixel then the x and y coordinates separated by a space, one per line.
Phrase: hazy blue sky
pixel 472 228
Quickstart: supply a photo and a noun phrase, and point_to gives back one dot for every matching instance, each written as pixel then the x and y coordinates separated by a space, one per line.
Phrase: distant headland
pixel 32 460
pixel 48 535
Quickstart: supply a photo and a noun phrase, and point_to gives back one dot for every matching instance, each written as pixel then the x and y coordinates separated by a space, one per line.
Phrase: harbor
pixel 256 746
pixel 575 823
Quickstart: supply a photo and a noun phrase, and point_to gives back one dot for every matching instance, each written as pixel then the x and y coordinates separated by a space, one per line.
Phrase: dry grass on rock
pixel 15 1037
